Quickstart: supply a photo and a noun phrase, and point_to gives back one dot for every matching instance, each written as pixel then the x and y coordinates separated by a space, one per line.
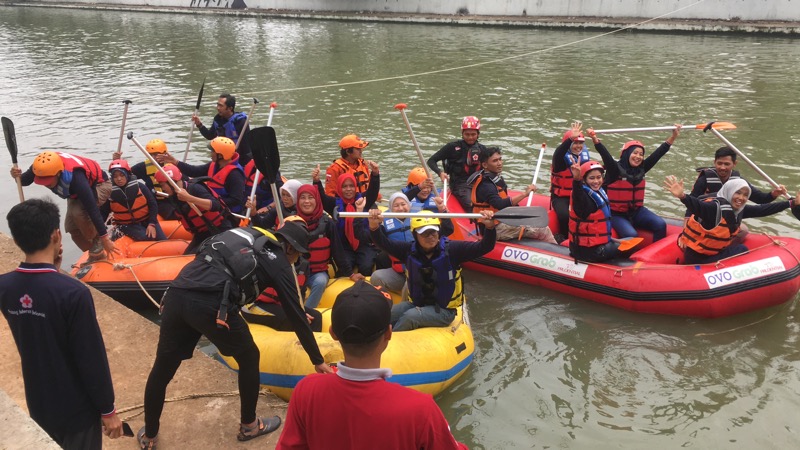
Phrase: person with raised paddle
pixel 134 207
pixel 146 172
pixel 230 270
pixel 433 269
pixel 223 173
pixel 230 124
pixel 212 218
pixel 625 187
pixel 86 187
pixel 351 149
pixel 358 250
pixel 381 414
pixel 263 193
pixel 571 150
pixel 489 191
pixel 460 160
pixel 709 235
pixel 51 315
pixel 590 215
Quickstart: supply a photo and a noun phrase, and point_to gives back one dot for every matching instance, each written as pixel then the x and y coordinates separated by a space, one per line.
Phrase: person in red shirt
pixel 378 413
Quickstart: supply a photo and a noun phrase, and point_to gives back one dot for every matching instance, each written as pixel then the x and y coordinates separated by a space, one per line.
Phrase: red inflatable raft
pixel 652 280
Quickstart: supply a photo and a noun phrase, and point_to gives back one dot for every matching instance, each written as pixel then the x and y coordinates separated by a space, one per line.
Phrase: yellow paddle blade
pixel 717 126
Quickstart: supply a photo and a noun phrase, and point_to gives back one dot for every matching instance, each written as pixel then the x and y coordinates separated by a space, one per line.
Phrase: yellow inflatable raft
pixel 426 359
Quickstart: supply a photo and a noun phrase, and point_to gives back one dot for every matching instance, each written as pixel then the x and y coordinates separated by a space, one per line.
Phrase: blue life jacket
pixel 436 282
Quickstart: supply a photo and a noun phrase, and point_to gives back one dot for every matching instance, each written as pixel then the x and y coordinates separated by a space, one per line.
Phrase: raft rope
pixel 469 66
pixel 263 392
pixel 133 272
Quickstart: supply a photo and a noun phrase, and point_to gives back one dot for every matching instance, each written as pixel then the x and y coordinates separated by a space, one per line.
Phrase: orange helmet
pixel 588 166
pixel 223 146
pixel 172 171
pixel 156 146
pixel 471 123
pixel 47 164
pixel 417 176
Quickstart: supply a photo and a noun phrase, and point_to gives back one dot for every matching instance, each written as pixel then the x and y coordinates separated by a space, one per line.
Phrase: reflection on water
pixel 551 370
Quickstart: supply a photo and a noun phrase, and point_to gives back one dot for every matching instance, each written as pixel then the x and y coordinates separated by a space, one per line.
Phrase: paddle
pixel 710 126
pixel 535 177
pixel 264 145
pixel 158 167
pixel 11 143
pixel 629 243
pixel 246 122
pixel 402 108
pixel 700 126
pixel 126 102
pixel 532 216
pixel 272 107
pixel 196 112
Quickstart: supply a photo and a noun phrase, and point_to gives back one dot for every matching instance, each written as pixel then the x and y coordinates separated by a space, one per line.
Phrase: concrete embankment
pixel 693 25
pixel 199 423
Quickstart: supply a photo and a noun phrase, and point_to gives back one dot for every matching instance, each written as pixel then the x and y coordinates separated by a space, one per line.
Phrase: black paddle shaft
pixel 11 138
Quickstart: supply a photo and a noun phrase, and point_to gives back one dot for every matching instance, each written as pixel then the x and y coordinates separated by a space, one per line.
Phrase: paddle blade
pixel 200 95
pixel 716 126
pixel 11 138
pixel 629 244
pixel 264 145
pixel 530 216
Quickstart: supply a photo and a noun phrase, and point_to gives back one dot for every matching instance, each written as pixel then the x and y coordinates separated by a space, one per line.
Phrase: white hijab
pixel 291 187
pixel 730 188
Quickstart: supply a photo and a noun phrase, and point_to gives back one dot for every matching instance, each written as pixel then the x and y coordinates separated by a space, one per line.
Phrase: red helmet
pixel 119 164
pixel 588 166
pixel 471 123
pixel 630 144
pixel 172 171
pixel 568 134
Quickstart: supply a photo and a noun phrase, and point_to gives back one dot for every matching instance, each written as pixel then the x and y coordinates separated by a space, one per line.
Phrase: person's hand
pixel 427 183
pixel 309 318
pixel 487 220
pixel 677 131
pixel 674 186
pixel 112 426
pixel 576 171
pixel 108 246
pixel 196 121
pixel 440 204
pixel 16 172
pixel 356 276
pixel 184 196
pixel 373 167
pixel 323 368
pixel 315 174
pixel 116 155
pixel 778 191
pixel 375 219
pixel 151 231
pixel 166 158
pixel 360 203
pixel 590 132
pixel 576 128
pixel 530 188
pixel 264 210
pixel 444 177
pixel 250 203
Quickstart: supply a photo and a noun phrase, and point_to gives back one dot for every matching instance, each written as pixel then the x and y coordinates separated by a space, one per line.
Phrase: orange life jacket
pixel 128 203
pixel 477 206
pixel 713 241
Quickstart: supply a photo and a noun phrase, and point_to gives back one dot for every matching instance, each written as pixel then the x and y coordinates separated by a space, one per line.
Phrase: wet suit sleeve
pixel 194 171
pixel 558 163
pixel 267 219
pixel 283 281
pixel 328 202
pixel 446 228
pixel 398 249
pixel 86 344
pixel 609 163
pixel 410 192
pixel 80 187
pixel 201 191
pixel 582 204
pixel 705 211
pixel 373 190
pixel 487 193
pixel 760 197
pixel 463 251
pixel 209 133
pixel 234 186
pixel 651 160
pixel 444 154
pixel 765 210
pixel 140 170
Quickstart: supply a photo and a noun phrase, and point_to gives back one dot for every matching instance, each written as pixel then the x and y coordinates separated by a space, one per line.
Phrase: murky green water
pixel 551 370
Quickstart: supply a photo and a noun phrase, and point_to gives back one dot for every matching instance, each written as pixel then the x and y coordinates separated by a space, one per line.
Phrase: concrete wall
pixel 745 10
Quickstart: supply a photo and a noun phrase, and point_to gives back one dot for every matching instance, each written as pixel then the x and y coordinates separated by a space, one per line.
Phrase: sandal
pixel 262 427
pixel 146 443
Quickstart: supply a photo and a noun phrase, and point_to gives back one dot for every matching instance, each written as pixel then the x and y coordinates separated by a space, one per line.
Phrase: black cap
pixel 296 233
pixel 361 313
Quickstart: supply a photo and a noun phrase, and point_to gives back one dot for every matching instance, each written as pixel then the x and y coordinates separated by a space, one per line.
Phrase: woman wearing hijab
pixel 358 249
pixel 288 193
pixel 708 234
pixel 626 189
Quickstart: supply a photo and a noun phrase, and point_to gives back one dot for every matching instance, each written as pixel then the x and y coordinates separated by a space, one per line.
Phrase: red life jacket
pixel 128 203
pixel 595 229
pixel 319 246
pixel 561 183
pixel 217 177
pixel 625 197
pixel 269 295
pixel 94 173
pixel 477 206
